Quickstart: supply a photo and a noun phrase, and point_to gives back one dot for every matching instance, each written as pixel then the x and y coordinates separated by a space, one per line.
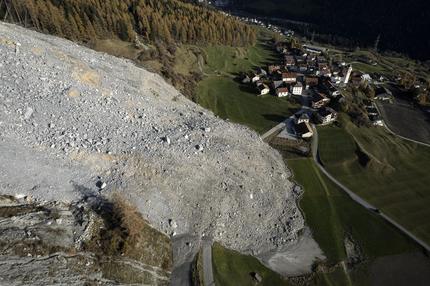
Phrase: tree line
pixel 168 21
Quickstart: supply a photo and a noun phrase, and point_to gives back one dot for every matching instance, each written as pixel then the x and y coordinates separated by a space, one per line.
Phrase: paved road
pixel 208 278
pixel 357 198
pixel 274 129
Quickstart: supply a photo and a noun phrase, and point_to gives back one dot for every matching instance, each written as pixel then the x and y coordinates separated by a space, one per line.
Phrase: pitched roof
pixel 289 75
pixel 317 96
pixel 326 111
pixel 282 89
pixel 302 128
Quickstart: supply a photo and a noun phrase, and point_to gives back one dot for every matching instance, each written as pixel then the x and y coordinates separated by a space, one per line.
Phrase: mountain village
pixel 306 74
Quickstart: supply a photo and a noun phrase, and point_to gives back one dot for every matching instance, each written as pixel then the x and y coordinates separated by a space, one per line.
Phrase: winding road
pixel 351 194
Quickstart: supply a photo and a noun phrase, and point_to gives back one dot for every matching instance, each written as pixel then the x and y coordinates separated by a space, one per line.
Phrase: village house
pixel 321 59
pixel 371 110
pixel 324 70
pixel 310 59
pixel 336 78
pixel 356 81
pixel 302 67
pixel 311 81
pixel 304 130
pixel 277 83
pixel 289 77
pixel 326 115
pixel 282 48
pixel 259 82
pixel 300 59
pixel 325 73
pixel 289 60
pixel 330 89
pixel 282 91
pixel 246 79
pixel 297 89
pixel 323 66
pixel 366 77
pixel 376 120
pixel 255 78
pixel 261 72
pixel 319 100
pixel 263 89
pixel 383 94
pixel 273 68
pixel 302 117
pixel 356 78
pixel 312 69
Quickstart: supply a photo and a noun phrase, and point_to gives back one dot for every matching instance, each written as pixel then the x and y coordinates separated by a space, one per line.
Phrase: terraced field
pixel 389 172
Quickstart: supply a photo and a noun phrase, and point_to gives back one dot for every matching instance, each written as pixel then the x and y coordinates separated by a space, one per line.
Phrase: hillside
pixel 76 122
pixel 149 32
pixel 130 20
pixel 401 24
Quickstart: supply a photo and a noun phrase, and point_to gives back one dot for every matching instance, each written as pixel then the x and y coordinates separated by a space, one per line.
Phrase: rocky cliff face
pixel 88 242
pixel 74 121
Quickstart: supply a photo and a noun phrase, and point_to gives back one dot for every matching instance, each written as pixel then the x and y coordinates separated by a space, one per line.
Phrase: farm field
pixel 389 172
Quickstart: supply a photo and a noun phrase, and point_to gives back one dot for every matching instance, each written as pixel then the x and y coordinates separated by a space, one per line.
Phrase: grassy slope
pixel 395 179
pixel 233 268
pixel 227 98
pixel 331 214
pixel 388 65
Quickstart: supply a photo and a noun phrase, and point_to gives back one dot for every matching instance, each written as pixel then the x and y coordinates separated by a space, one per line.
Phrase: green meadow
pixel 389 172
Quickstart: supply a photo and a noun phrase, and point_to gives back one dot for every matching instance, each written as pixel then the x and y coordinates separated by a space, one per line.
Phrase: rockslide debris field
pixel 73 120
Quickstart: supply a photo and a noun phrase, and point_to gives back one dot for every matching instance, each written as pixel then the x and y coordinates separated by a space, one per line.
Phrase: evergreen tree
pixel 167 21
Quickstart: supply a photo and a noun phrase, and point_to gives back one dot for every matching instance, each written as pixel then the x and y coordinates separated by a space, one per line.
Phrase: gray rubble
pixel 71 117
